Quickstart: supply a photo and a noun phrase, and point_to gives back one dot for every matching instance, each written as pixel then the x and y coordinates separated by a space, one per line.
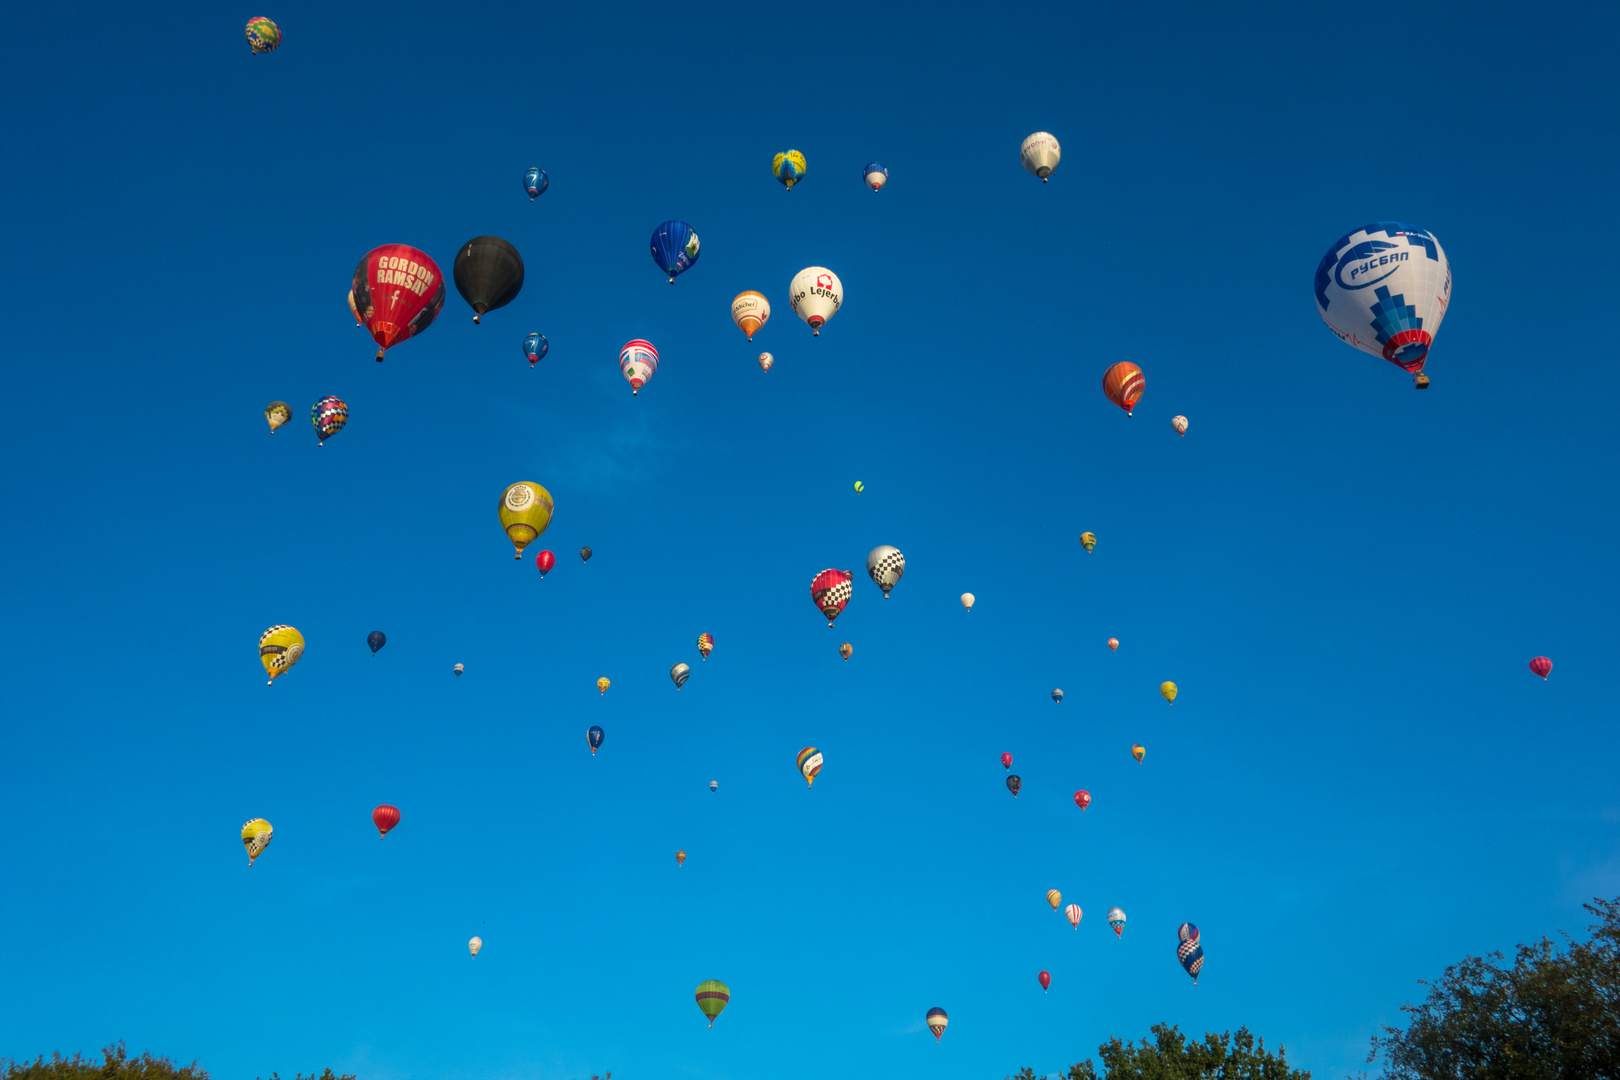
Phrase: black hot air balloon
pixel 585 554
pixel 488 273
pixel 376 639
pixel 1013 784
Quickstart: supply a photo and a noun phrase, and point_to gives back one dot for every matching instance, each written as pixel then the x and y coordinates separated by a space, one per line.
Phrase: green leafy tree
pixel 1229 1056
pixel 116 1064
pixel 1552 1013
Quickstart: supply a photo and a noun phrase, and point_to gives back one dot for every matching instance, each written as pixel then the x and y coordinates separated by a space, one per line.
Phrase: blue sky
pixel 1360 783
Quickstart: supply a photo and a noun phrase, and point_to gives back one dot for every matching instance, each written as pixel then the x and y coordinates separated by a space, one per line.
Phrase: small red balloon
pixel 1006 761
pixel 1046 979
pixel 385 817
pixel 545 561
pixel 1541 665
pixel 1082 799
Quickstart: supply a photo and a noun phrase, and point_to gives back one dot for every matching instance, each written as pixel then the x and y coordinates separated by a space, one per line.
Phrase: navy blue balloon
pixel 535 182
pixel 674 248
pixel 594 737
pixel 534 347
pixel 376 639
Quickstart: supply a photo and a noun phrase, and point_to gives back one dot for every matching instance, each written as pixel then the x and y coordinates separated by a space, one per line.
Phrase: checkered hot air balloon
pixel 1384 289
pixel 277 413
pixel 885 565
pixel 937 1021
pixel 262 34
pixel 705 645
pixel 831 590
pixel 327 416
pixel 256 836
pixel 280 647
pixel 1116 919
pixel 1189 950
pixel 638 361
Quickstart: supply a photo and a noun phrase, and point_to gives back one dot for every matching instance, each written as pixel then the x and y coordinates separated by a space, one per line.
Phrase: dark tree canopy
pixel 116 1064
pixel 1551 1013
pixel 1229 1056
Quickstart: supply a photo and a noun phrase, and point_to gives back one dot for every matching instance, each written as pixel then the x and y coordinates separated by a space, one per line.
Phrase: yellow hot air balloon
pixel 525 512
pixel 846 650
pixel 859 487
pixel 680 858
pixel 1138 751
pixel 279 649
pixel 602 684
pixel 1168 690
pixel 1088 540
pixel 750 311
pixel 256 837
pixel 1054 898
pixel 277 413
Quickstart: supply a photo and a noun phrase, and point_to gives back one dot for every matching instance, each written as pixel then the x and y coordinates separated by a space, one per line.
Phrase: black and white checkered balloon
pixel 885 565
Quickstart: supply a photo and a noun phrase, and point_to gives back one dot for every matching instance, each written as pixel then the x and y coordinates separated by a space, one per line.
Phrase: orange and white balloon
pixel 750 311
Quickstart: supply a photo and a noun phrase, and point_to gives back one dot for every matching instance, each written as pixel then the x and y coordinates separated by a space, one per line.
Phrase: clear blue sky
pixel 1360 783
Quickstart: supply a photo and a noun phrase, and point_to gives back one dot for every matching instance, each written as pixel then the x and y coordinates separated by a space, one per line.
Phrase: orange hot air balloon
pixel 846 650
pixel 1113 643
pixel 1123 384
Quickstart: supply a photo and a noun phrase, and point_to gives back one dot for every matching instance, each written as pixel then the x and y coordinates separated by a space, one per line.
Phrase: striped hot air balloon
pixel 638 361
pixel 1072 913
pixel 831 590
pixel 712 997
pixel 1054 898
pixel 1541 666
pixel 705 645
pixel 680 673
pixel 1138 751
pixel 809 764
pixel 385 817
pixel 1123 384
pixel 937 1021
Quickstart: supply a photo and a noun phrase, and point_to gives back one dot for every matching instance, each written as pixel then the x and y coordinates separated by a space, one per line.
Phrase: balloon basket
pixel 1419 382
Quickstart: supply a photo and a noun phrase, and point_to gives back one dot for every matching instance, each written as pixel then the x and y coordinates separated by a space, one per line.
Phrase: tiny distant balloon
pixel 674 248
pixel 535 182
pixel 280 647
pixel 1541 666
pixel 1190 949
pixel 1082 799
pixel 327 416
pixel 750 311
pixel 1116 919
pixel 885 565
pixel 1123 384
pixel 830 590
pixel 789 167
pixel 875 176
pixel 1168 691
pixel 765 361
pixel 810 764
pixel 277 413
pixel 1040 154
pixel 712 997
pixel 638 362
pixel 535 347
pixel 458 669
pixel 525 512
pixel 545 561
pixel 355 310
pixel 474 945
pixel 1057 696
pixel 1045 980
pixel 1014 783
pixel 584 554
pixel 1113 644
pixel 967 600
pixel 1088 540
pixel 593 738
pixel 1073 913
pixel 859 487
pixel 385 817
pixel 680 858
pixel 1006 761
pixel 376 639
pixel 705 645
pixel 256 836
pixel 680 673
pixel 1180 425
pixel 714 786
pixel 846 650
pixel 262 35
pixel 936 1022
pixel 1054 898
pixel 816 295
pixel 602 684
pixel 1138 751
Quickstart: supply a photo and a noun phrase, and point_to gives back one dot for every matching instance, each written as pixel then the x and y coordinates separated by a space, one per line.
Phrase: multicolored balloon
pixel 602 685
pixel 967 599
pixel 1014 783
pixel 474 944
pixel 1116 919
pixel 816 295
pixel 1113 644
pixel 1045 979
pixel 1040 154
pixel 385 817
pixel 765 361
pixel 593 738
pixel 280 647
pixel 256 836
pixel 809 764
pixel 525 511
pixel 327 416
pixel 1384 289
pixel 846 650
pixel 638 361
pixel 705 645
pixel 1123 384
pixel 1073 913
pixel 712 997
pixel 830 590
pixel 875 176
pixel 751 311
pixel 1138 751
pixel 397 291
pixel 674 248
pixel 535 347
pixel 277 413
pixel 488 273
pixel 1088 540
pixel 789 167
pixel 535 182
pixel 1082 799
pixel 1179 423
pixel 1006 761
pixel 1057 695
pixel 1541 666
pixel 936 1022
pixel 1168 691
pixel 1054 898
pixel 1189 950
pixel 376 639
pixel 680 858
pixel 885 565
pixel 679 674
pixel 544 562
pixel 262 34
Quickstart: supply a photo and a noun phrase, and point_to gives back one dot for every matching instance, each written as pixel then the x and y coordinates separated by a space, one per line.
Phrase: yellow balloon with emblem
pixel 280 647
pixel 1169 691
pixel 525 512
pixel 602 684
pixel 277 413
pixel 256 836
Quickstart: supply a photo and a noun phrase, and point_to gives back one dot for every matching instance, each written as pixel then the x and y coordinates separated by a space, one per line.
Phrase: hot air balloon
pixel 525 511
pixel 750 311
pixel 789 167
pixel 875 176
pixel 277 413
pixel 398 292
pixel 765 361
pixel 638 361
pixel 1054 898
pixel 584 554
pixel 809 763
pixel 474 945
pixel 535 182
pixel 279 649
pixel 1113 644
pixel 327 416
pixel 680 673
pixel 1006 761
pixel 831 590
pixel 1116 919
pixel 705 645
pixel 1045 980
pixel 1179 423
pixel 936 1022
pixel 602 685
pixel 674 248
pixel 385 817
pixel 376 639
pixel 816 295
pixel 712 997
pixel 1040 154
pixel 680 858
pixel 967 600
pixel 458 669
pixel 488 273
pixel 714 786
pixel 1138 751
pixel 256 837
pixel 262 35
pixel 535 347
pixel 1014 783
pixel 859 487
pixel 544 562
pixel 1168 691
pixel 1384 289
pixel 1057 695
pixel 353 310
pixel 1082 799
pixel 1073 913
pixel 846 650
pixel 1541 666
pixel 1189 950
pixel 593 738
pixel 885 566
pixel 1088 540
pixel 1123 384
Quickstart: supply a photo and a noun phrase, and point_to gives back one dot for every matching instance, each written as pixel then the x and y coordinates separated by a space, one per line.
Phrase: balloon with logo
pixel 1040 154
pixel 398 292
pixel 765 361
pixel 1088 540
pixel 789 167
pixel 256 836
pixel 638 361
pixel 936 1022
pixel 705 645
pixel 385 817
pixel 830 590
pixel 376 639
pixel 277 413
pixel 1116 920
pixel 750 311
pixel 680 673
pixel 544 562
pixel 1082 799
pixel 680 858
pixel 1072 913
pixel 488 273
pixel 458 669
pixel 1006 761
pixel 327 416
pixel 593 738
pixel 1123 384
pixel 535 347
pixel 1057 696
pixel 1168 691
pixel 816 294
pixel 602 685
pixel 525 511
pixel 1179 425
pixel 1541 666
pixel 1384 289
pixel 885 565
pixel 263 35
pixel 535 182
pixel 712 997
pixel 474 945
pixel 714 786
pixel 674 248
pixel 280 647
pixel 875 176
pixel 809 764
pixel 1054 898
pixel 1189 950
pixel 1014 782
pixel 859 487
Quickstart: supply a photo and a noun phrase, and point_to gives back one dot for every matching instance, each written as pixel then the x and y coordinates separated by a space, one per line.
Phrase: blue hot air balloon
pixel 1384 289
pixel 534 347
pixel 535 182
pixel 875 176
pixel 376 639
pixel 674 248
pixel 594 737
pixel 1188 949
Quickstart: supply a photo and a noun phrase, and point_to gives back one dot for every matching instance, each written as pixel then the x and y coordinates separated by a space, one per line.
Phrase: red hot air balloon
pixel 1006 761
pixel 830 589
pixel 545 561
pixel 1541 666
pixel 1046 980
pixel 1123 384
pixel 385 817
pixel 398 292
pixel 1082 799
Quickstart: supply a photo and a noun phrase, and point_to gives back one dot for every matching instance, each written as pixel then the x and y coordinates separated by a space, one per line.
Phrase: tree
pixel 117 1065
pixel 1228 1056
pixel 1550 1014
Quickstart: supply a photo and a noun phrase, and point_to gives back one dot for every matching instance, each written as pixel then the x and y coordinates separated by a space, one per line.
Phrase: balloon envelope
pixel 488 273
pixel 1006 761
pixel 674 248
pixel 376 639
pixel 846 650
pixel 1116 919
pixel 1054 898
pixel 602 684
pixel 765 361
pixel 593 738
pixel 385 817
pixel 1113 643
pixel 705 645
pixel 535 182
pixel 544 562
pixel 1040 154
pixel 750 311
pixel 1014 782
pixel 1082 799
pixel 1541 666
pixel 816 295
pixel 967 600
pixel 277 413
pixel 458 669
pixel 680 858
pixel 398 291
pixel 474 945
pixel 1384 289
pixel 937 1020
pixel 680 673
pixel 1168 691
pixel 789 167
pixel 885 565
pixel 525 512
pixel 1057 696
pixel 1045 979
pixel 1088 540
pixel 584 554
pixel 714 785
pixel 535 347
pixel 830 590
pixel 328 417
pixel 280 647
pixel 712 997
pixel 1123 384
pixel 256 836
pixel 1138 751
pixel 1072 913
pixel 809 764
pixel 1190 950
pixel 875 176
pixel 638 362
pixel 1179 423
pixel 262 34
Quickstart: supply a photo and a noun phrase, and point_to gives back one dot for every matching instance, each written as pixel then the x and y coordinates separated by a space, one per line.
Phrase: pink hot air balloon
pixel 1006 761
pixel 1082 799
pixel 545 561
pixel 1541 666
pixel 1046 980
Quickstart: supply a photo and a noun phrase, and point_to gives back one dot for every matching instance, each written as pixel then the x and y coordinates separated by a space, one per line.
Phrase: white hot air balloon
pixel 1383 289
pixel 765 361
pixel 474 945
pixel 1041 154
pixel 885 565
pixel 750 311
pixel 967 600
pixel 638 360
pixel 817 294
pixel 1180 424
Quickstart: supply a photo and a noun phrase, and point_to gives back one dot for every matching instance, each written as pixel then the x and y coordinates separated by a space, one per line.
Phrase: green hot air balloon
pixel 488 273
pixel 712 997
